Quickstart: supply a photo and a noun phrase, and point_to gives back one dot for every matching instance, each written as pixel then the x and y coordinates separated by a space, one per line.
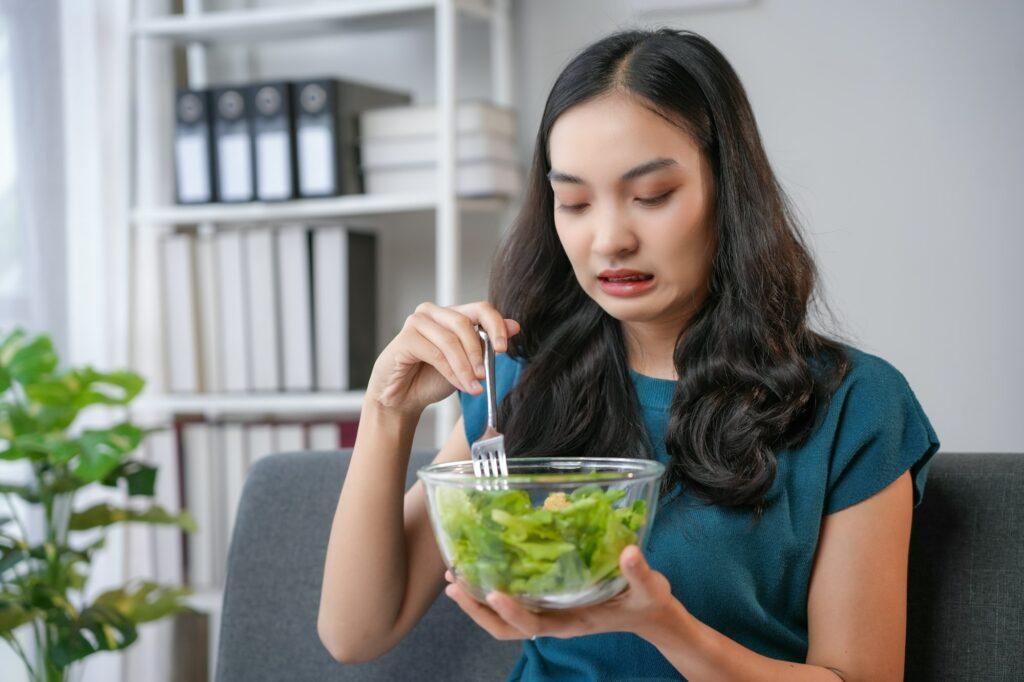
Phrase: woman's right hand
pixel 437 351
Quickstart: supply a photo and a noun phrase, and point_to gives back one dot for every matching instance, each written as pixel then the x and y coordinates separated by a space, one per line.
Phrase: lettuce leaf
pixel 499 541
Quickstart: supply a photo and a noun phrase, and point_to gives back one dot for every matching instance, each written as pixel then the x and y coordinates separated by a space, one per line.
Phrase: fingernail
pixel 476 386
pixel 480 371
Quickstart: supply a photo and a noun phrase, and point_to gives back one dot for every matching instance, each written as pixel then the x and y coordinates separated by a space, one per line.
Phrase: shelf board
pixel 296 20
pixel 348 402
pixel 207 599
pixel 304 209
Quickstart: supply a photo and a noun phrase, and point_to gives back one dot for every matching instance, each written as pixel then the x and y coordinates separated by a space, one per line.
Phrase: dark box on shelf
pixel 326 128
pixel 195 171
pixel 273 140
pixel 232 133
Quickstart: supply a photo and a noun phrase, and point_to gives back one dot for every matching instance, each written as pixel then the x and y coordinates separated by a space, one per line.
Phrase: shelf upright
pixel 448 222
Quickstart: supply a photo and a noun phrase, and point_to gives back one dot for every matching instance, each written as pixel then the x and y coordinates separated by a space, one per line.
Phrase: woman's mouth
pixel 629 285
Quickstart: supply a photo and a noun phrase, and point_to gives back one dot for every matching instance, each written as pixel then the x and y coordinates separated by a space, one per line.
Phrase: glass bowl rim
pixel 445 472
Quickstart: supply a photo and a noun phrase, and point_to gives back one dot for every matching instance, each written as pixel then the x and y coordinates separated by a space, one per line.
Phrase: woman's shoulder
pixel 871 372
pixel 877 430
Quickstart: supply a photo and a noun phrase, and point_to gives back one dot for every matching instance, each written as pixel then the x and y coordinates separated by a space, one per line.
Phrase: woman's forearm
pixel 699 652
pixel 365 569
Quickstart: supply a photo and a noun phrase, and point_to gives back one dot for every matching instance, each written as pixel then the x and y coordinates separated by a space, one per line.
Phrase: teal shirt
pixel 748 581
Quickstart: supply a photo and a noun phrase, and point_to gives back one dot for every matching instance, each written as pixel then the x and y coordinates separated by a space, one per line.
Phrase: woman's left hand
pixel 643 608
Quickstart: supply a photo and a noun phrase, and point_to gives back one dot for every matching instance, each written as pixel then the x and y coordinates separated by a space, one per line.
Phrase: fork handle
pixel 492 402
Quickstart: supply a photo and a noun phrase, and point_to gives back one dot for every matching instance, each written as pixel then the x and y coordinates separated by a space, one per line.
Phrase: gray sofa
pixel 965 602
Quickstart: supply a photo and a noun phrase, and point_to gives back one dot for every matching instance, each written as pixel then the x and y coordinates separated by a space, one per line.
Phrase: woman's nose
pixel 613 235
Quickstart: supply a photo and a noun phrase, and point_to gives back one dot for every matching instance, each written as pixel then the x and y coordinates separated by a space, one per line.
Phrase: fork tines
pixel 489 462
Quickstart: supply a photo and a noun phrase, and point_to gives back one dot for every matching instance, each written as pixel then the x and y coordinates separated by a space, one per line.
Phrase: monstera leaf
pixel 96 628
pixel 13 551
pixel 102 450
pixel 143 601
pixel 25 360
pixel 13 614
pixel 104 514
pixel 109 622
pixel 141 477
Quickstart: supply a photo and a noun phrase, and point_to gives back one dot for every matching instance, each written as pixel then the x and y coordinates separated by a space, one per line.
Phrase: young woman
pixel 652 300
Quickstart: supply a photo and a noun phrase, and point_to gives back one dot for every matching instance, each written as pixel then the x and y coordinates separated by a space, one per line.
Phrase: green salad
pixel 500 541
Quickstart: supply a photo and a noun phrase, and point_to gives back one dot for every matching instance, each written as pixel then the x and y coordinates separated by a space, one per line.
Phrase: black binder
pixel 195 176
pixel 362 307
pixel 232 133
pixel 273 140
pixel 326 130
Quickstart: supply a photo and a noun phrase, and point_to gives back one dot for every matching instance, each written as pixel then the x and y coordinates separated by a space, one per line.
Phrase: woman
pixel 779 549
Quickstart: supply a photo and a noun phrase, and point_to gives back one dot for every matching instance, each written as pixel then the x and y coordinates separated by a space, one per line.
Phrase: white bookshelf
pixel 300 19
pixel 153 213
pixel 302 209
pixel 216 404
pixel 282 404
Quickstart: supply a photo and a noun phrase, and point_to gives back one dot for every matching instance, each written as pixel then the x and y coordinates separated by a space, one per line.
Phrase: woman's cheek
pixel 575 248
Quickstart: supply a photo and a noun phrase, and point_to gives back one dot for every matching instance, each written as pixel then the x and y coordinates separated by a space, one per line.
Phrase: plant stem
pixel 37 630
pixel 13 641
pixel 17 519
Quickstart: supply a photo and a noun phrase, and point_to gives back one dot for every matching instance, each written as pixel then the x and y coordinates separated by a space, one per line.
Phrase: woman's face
pixel 632 191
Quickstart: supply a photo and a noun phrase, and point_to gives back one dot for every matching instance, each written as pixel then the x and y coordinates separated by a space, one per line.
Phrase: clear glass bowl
pixel 550 533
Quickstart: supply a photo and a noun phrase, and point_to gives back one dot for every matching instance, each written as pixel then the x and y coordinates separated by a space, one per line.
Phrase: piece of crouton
pixel 556 501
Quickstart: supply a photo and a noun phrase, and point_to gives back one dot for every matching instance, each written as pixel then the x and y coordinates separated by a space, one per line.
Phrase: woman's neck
pixel 651 351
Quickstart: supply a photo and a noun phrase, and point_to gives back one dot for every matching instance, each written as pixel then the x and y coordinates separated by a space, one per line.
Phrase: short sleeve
pixel 474 407
pixel 881 433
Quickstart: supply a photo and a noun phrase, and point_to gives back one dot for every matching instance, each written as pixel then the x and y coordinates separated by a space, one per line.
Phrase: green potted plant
pixel 43 579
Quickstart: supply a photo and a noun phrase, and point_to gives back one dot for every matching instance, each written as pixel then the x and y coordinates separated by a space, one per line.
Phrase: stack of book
pixel 269 309
pixel 215 458
pixel 398 149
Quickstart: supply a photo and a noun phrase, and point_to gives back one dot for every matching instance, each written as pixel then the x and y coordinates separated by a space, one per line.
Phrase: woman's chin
pixel 629 310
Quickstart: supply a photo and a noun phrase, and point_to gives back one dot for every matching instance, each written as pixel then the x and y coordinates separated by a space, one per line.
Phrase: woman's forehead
pixel 611 137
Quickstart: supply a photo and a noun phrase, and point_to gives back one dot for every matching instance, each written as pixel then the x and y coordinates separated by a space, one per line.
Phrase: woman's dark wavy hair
pixel 752 375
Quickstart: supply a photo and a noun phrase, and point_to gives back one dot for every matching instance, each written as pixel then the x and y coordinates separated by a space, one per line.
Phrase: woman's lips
pixel 626 288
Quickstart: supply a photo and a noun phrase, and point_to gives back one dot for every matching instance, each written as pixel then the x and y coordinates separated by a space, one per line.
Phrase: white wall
pixel 896 129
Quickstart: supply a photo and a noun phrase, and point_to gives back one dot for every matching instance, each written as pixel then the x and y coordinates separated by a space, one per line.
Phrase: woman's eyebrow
pixel 632 173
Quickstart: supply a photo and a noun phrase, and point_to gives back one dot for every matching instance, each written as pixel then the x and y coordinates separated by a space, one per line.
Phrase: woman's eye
pixel 654 201
pixel 576 208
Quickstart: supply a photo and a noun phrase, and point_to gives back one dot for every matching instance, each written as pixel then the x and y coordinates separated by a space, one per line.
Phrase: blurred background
pixel 214 193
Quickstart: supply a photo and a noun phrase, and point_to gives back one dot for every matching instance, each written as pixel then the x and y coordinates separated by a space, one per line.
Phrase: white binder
pixel 263 309
pixel 296 296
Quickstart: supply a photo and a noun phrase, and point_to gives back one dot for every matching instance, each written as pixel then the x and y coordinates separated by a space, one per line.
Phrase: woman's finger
pixel 560 623
pixel 481 615
pixel 451 347
pixel 488 317
pixel 645 584
pixel 426 351
pixel 522 619
pixel 462 326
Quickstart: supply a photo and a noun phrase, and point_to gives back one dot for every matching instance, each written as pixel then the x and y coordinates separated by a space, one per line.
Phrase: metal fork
pixel 488 451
